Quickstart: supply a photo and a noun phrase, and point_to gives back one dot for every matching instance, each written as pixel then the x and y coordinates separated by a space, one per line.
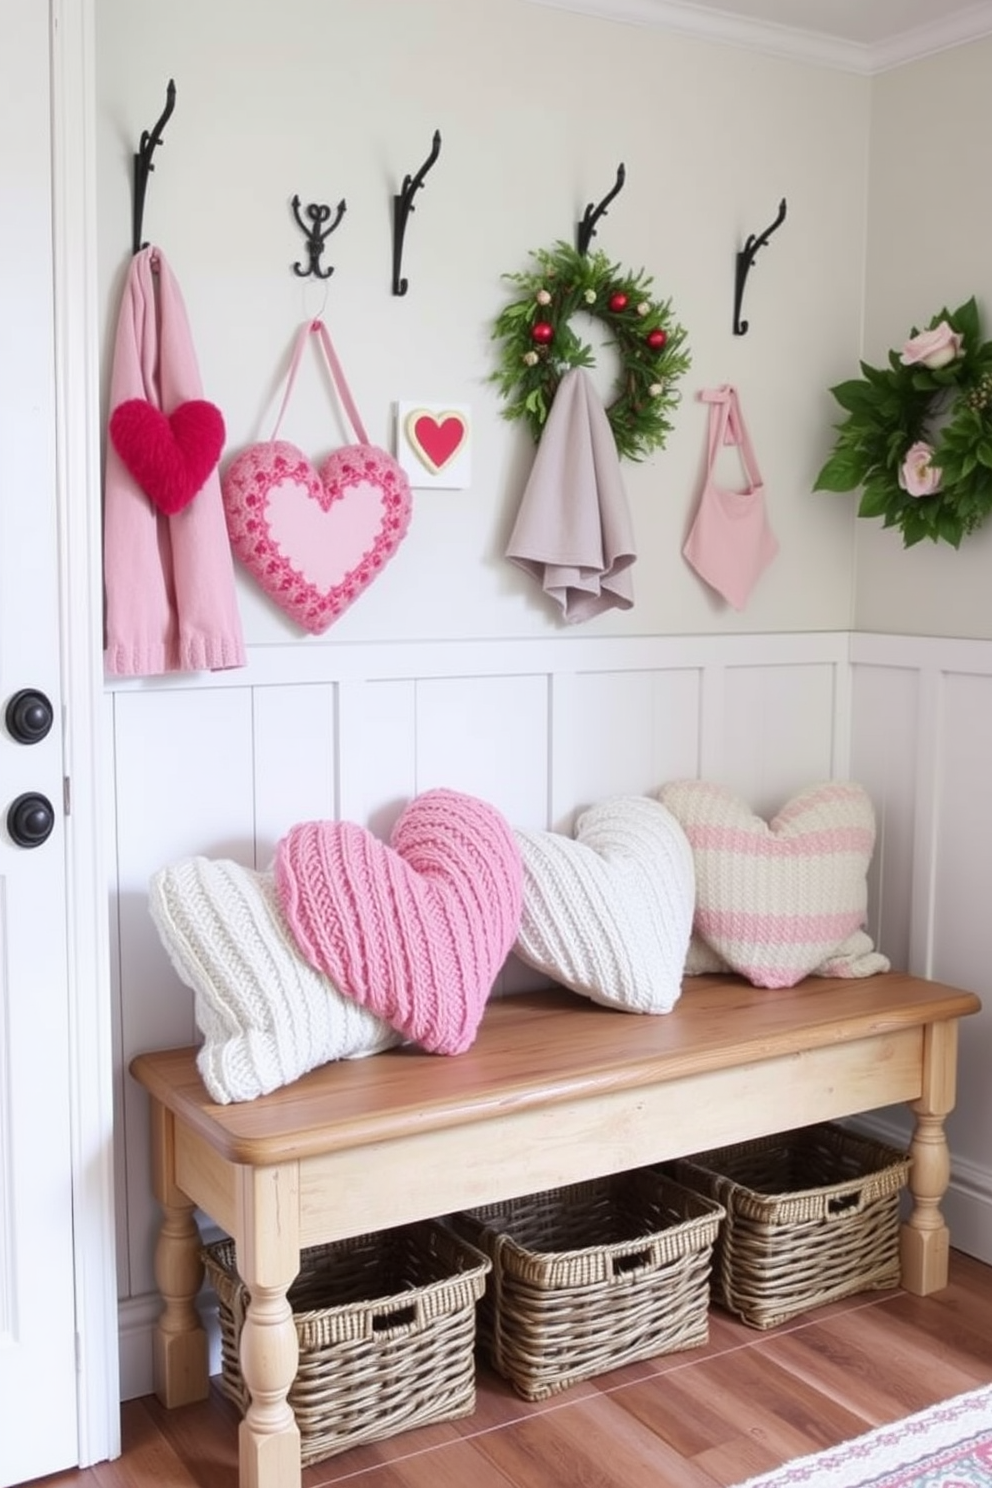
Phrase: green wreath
pixel 540 345
pixel 917 437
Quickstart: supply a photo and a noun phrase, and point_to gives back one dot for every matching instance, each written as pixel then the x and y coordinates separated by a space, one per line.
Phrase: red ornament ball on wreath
pixel 618 301
pixel 542 332
pixel 656 339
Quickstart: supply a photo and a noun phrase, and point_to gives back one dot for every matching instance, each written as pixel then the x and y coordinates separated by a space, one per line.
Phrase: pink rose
pixel 933 348
pixel 917 475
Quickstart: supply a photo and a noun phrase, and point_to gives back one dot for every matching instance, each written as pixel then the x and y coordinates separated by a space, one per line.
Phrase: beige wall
pixel 929 245
pixel 536 107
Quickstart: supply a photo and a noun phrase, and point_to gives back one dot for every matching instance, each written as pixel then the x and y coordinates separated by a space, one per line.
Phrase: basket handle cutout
pixel 401 1318
pixel 624 1263
pixel 845 1204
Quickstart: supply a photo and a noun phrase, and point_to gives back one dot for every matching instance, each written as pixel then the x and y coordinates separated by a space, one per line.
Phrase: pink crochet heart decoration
pixel 170 456
pixel 415 930
pixel 315 540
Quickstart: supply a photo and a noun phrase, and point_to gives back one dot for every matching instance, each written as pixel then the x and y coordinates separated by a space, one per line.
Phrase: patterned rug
pixel 947 1446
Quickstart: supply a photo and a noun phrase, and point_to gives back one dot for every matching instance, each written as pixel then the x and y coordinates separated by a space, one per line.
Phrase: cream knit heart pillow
pixel 854 957
pixel 609 913
pixel 266 1015
pixel 779 900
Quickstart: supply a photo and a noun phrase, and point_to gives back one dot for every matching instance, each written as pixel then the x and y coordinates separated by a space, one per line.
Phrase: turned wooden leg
pixel 180 1363
pixel 925 1239
pixel 268 1254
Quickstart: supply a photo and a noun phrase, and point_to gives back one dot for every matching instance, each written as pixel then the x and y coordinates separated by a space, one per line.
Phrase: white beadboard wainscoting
pixel 223 764
pixel 921 743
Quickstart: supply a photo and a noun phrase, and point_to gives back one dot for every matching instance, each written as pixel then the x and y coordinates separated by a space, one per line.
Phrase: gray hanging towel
pixel 573 531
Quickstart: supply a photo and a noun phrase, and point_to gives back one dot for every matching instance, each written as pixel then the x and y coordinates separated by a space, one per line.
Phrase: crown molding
pixel 936 36
pixel 706 24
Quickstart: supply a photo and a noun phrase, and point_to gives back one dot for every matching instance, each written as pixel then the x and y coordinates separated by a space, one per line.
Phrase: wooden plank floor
pixel 742 1404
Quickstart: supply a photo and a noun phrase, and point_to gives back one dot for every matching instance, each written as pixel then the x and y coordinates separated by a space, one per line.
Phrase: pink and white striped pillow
pixel 779 900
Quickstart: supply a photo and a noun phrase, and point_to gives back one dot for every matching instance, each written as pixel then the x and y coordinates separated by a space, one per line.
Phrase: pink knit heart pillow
pixel 775 899
pixel 314 541
pixel 416 930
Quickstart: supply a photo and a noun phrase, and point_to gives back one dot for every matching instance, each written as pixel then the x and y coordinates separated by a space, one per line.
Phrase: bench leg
pixel 180 1364
pixel 268 1257
pixel 925 1239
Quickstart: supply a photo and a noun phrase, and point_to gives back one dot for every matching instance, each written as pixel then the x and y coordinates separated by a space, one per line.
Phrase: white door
pixel 38 1409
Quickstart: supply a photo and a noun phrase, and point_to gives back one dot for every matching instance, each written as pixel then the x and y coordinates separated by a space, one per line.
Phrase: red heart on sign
pixel 435 439
pixel 171 457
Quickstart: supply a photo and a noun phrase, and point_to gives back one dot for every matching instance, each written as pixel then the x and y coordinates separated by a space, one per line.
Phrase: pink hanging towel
pixel 730 543
pixel 170 596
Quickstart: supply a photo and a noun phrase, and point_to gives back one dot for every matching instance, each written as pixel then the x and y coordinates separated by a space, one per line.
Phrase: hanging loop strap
pixel 727 426
pixel 317 328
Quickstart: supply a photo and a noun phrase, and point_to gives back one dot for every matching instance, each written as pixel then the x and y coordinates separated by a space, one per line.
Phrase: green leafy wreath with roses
pixel 917 438
pixel 540 344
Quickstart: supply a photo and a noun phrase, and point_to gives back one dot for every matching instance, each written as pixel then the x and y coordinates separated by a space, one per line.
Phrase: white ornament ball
pixel 656 389
pixel 530 358
pixel 543 297
pixel 643 308
pixel 590 297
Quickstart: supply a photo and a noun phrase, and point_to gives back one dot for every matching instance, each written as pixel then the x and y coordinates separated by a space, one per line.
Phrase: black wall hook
pixel 402 207
pixel 745 259
pixel 586 229
pixel 318 214
pixel 143 164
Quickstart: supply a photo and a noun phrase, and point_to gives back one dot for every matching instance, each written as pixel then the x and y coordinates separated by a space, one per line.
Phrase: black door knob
pixel 28 716
pixel 30 819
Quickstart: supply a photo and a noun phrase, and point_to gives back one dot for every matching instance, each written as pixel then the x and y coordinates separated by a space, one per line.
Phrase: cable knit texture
pixel 265 1014
pixel 609 913
pixel 777 901
pixel 416 930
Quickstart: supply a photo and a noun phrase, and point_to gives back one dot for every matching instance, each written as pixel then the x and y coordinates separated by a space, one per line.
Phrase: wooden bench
pixel 555 1089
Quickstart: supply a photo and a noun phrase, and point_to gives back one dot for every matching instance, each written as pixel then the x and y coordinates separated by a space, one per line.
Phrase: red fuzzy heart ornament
pixel 170 456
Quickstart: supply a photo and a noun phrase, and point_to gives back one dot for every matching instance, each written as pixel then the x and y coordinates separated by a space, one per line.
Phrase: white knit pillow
pixel 777 901
pixel 265 1014
pixel 609 913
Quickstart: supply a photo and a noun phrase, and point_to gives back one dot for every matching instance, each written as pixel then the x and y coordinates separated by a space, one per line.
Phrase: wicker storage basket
pixel 591 1276
pixel 386 1329
pixel 812 1215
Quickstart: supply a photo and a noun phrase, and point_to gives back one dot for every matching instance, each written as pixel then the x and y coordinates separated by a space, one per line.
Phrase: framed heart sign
pixel 433 444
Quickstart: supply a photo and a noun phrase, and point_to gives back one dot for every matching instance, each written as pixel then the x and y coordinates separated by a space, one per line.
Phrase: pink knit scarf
pixel 171 601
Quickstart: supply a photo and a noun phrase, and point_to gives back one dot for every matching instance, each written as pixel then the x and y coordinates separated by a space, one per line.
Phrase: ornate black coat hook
pixel 745 259
pixel 402 207
pixel 586 229
pixel 316 234
pixel 143 164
